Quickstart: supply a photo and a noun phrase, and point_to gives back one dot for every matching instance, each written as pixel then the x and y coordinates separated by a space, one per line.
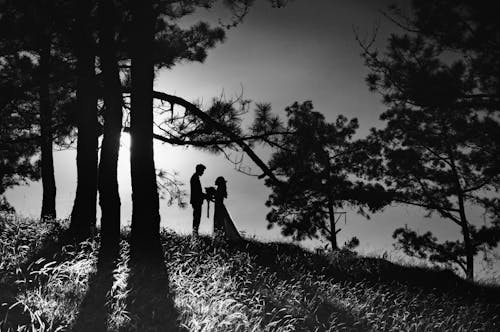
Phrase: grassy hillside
pixel 211 286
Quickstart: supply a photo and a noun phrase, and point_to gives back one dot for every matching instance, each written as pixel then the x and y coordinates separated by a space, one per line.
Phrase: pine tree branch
pixel 204 143
pixel 189 107
pixel 444 211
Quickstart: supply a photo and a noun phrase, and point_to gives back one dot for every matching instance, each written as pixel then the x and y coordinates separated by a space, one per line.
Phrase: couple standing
pixel 223 223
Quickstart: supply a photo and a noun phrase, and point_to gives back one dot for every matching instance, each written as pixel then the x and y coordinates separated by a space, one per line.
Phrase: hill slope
pixel 212 286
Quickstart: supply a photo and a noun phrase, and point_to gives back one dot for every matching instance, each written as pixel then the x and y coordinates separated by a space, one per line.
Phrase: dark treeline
pixel 71 70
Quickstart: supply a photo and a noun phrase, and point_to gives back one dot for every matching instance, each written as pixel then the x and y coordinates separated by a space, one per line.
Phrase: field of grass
pixel 214 286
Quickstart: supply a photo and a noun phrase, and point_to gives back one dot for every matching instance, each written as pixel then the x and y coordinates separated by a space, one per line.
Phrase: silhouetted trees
pixel 145 204
pixel 83 215
pixel 18 134
pixel 170 44
pixel 313 161
pixel 28 32
pixel 470 30
pixel 47 159
pixel 439 149
pixel 109 197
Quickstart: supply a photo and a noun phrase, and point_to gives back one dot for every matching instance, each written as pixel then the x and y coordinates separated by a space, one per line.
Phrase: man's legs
pixel 196 218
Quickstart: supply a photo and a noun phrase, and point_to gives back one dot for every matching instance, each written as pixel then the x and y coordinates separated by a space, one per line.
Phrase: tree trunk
pixel 47 158
pixel 83 216
pixel 469 250
pixel 333 231
pixel 145 201
pixel 109 197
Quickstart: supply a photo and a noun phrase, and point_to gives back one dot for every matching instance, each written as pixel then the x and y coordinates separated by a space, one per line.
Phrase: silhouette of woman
pixel 223 223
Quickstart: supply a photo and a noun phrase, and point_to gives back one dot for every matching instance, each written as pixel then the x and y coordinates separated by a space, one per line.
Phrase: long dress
pixel 223 223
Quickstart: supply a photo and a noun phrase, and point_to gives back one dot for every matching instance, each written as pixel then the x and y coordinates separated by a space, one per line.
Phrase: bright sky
pixel 305 51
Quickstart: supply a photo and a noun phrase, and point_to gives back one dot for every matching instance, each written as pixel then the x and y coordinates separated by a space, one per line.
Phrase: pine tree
pixel 83 215
pixel 313 160
pixel 440 147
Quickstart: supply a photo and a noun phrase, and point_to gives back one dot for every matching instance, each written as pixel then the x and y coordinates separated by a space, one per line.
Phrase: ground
pixel 217 286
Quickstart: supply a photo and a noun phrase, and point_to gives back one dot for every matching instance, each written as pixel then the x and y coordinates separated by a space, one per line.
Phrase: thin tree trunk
pixel 47 158
pixel 109 197
pixel 83 216
pixel 145 201
pixel 333 231
pixel 469 248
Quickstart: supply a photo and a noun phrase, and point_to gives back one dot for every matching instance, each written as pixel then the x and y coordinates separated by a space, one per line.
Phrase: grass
pixel 215 286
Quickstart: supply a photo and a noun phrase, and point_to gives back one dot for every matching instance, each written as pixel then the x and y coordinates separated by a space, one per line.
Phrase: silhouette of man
pixel 197 197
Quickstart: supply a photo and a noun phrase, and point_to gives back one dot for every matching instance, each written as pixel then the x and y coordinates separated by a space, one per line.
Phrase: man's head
pixel 200 168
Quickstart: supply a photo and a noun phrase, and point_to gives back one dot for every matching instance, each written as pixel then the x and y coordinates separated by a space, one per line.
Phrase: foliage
pixel 352 243
pixel 470 30
pixel 313 160
pixel 184 128
pixel 5 206
pixel 171 188
pixel 17 117
pixel 427 246
pixel 439 149
pixel 21 239
pixel 23 25
pixel 21 125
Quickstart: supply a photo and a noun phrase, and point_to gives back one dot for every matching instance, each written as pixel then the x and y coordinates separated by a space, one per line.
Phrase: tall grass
pixel 277 287
pixel 216 286
pixel 41 283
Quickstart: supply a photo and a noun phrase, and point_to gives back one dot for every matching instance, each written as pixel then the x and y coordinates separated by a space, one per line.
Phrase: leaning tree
pixel 439 149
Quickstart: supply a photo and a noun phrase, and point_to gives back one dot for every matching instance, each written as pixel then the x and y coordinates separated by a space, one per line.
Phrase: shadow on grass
pixel 150 302
pixel 11 315
pixel 94 310
pixel 320 313
pixel 373 270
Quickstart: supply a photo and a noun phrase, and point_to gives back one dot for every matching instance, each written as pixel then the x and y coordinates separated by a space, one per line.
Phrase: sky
pixel 305 51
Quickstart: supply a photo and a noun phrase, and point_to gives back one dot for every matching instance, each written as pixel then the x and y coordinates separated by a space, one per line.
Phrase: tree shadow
pixel 369 271
pixel 94 310
pixel 353 268
pixel 150 302
pixel 12 316
pixel 318 313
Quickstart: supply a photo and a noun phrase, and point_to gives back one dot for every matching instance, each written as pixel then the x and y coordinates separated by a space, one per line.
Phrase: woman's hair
pixel 220 182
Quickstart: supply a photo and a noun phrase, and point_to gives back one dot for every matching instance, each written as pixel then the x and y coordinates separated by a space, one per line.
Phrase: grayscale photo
pixel 249 165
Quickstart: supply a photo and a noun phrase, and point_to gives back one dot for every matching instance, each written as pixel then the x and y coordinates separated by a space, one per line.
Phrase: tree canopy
pixel 312 158
pixel 439 149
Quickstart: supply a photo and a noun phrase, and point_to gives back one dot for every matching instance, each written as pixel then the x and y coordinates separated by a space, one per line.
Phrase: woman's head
pixel 220 182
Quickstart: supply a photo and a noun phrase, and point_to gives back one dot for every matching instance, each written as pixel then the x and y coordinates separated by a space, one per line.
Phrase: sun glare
pixel 124 160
